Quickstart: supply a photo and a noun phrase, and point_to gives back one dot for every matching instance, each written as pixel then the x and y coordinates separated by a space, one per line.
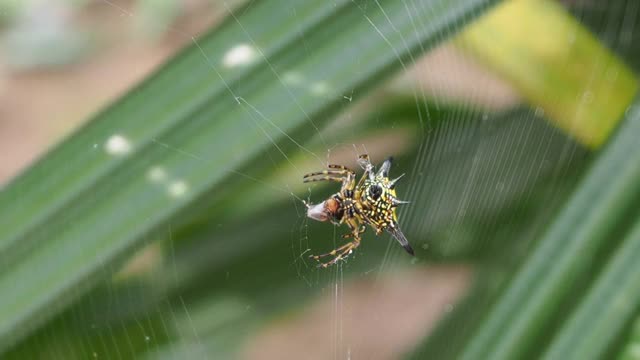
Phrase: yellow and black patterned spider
pixel 371 201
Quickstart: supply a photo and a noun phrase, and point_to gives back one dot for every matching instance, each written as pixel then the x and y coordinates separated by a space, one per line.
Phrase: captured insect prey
pixel 371 201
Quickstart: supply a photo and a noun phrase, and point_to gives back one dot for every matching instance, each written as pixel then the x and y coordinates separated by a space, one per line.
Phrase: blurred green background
pixel 151 183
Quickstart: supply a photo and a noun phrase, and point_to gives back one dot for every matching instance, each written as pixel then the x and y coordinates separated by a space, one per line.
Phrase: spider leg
pixel 351 234
pixel 364 159
pixel 343 251
pixel 365 162
pixel 324 178
pixel 348 185
pixel 362 179
pixel 327 175
pixel 328 172
pixel 332 252
pixel 341 167
pixel 340 253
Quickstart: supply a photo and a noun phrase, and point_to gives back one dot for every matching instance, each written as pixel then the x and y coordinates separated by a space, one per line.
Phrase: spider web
pixel 484 173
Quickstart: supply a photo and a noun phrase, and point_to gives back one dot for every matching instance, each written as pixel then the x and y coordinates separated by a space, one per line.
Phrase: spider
pixel 371 201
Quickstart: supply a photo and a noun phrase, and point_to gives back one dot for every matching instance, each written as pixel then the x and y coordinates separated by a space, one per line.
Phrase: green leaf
pixel 218 106
pixel 202 255
pixel 605 311
pixel 567 253
pixel 507 208
pixel 631 345
pixel 607 22
pixel 564 70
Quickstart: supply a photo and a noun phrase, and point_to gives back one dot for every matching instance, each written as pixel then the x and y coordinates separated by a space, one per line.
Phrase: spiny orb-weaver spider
pixel 372 201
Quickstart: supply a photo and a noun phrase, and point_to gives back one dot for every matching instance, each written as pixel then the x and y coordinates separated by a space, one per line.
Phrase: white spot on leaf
pixel 241 54
pixel 319 88
pixel 117 145
pixel 157 174
pixel 177 188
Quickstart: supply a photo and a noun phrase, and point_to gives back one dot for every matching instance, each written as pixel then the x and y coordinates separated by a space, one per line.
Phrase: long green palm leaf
pixel 149 158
